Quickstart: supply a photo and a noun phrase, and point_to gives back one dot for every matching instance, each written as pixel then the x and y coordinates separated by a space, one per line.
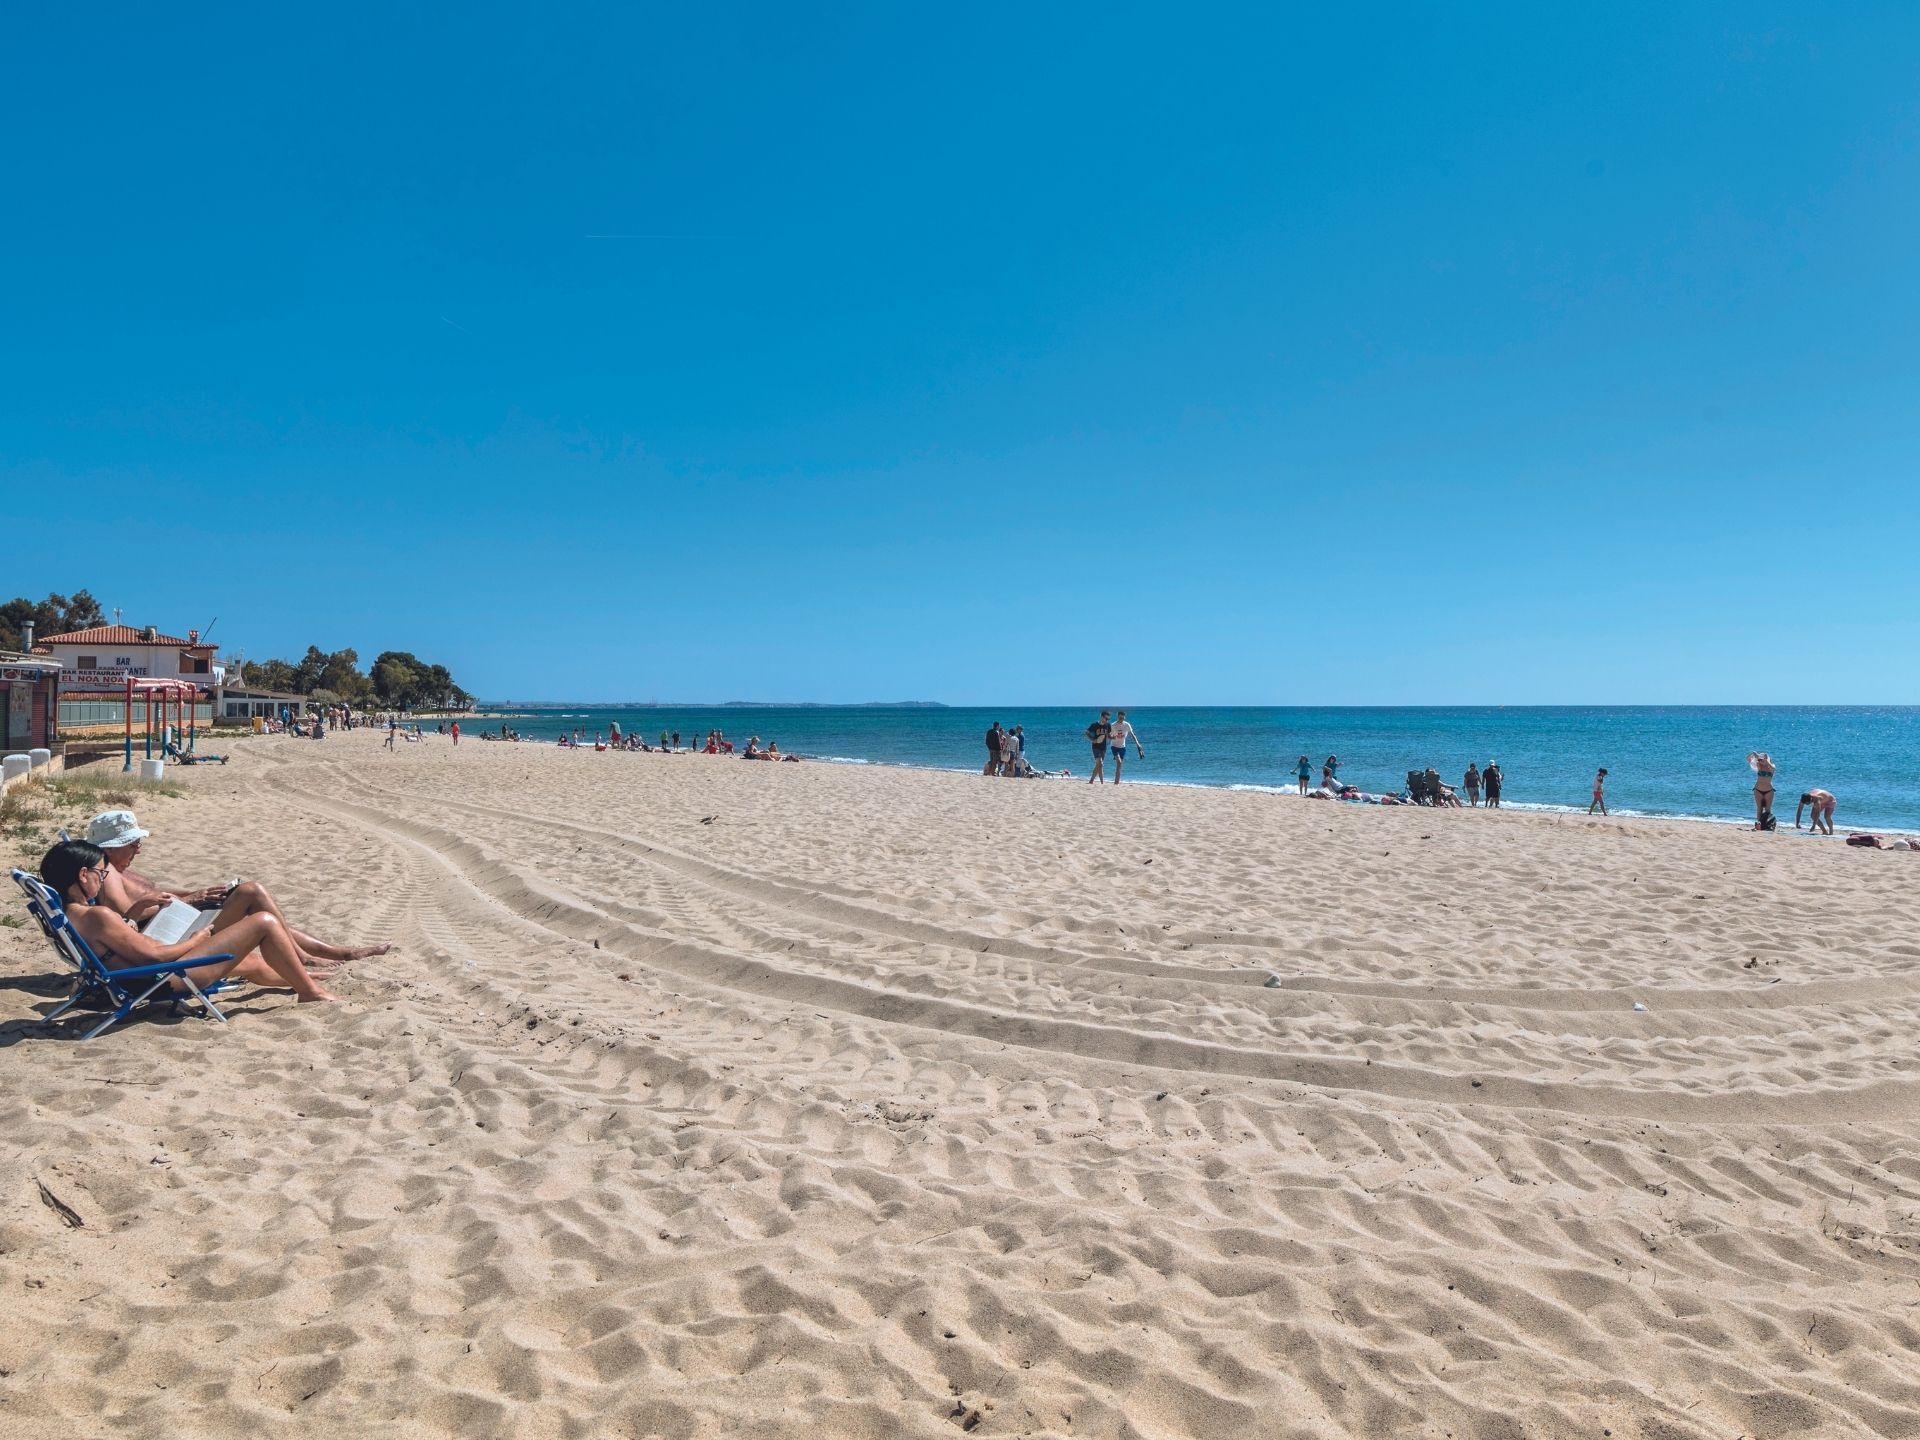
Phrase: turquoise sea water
pixel 1663 760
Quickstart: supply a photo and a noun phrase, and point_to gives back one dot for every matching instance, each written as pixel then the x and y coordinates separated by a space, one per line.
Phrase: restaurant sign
pixel 113 677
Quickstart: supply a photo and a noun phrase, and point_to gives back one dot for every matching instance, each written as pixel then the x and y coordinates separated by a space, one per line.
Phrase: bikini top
pixel 105 954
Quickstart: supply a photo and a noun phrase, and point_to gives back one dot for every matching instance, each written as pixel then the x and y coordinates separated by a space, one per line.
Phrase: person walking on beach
pixel 1762 766
pixel 454 730
pixel 1491 780
pixel 1009 754
pixel 393 729
pixel 1118 738
pixel 1599 792
pixel 1472 781
pixel 994 732
pixel 1822 802
pixel 1097 735
pixel 1303 772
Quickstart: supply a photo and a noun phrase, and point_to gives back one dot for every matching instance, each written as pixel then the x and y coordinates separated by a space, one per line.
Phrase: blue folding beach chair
pixel 118 992
pixel 187 757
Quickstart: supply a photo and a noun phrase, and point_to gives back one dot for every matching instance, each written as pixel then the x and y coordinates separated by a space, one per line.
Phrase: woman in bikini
pixel 262 952
pixel 1762 764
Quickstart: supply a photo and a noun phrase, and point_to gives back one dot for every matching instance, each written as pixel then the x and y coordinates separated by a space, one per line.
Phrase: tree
pixel 341 674
pixel 267 674
pixel 405 681
pixel 55 615
pixel 306 675
pixel 395 676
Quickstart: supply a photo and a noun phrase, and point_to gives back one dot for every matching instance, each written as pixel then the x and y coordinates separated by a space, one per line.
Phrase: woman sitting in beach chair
pixel 258 948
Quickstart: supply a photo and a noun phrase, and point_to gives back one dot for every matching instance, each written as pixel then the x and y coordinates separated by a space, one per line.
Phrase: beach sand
pixel 716 1099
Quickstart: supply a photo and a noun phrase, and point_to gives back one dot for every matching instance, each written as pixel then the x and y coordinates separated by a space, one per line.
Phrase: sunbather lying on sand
pixel 262 951
pixel 136 898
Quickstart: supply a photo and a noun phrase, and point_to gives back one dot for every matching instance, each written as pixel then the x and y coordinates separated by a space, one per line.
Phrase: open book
pixel 176 922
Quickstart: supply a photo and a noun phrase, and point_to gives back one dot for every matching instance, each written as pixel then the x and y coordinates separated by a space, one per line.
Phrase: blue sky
pixel 1017 354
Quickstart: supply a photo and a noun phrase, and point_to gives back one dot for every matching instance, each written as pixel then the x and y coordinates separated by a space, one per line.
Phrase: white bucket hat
pixel 113 829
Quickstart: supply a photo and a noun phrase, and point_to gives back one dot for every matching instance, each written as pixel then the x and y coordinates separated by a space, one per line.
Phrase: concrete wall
pixel 53 767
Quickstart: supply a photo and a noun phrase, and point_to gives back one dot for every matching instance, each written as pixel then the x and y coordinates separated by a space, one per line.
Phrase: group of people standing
pixel 1007 752
pixel 1477 782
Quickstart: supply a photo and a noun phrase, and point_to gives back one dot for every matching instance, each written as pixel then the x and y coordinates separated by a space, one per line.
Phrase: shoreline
pixel 1529 807
pixel 1679 763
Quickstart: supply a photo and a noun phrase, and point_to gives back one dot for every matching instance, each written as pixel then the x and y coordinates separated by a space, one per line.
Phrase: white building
pixel 103 659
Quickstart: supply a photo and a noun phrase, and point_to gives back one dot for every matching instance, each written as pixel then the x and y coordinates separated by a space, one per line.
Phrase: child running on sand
pixel 1599 792
pixel 1303 772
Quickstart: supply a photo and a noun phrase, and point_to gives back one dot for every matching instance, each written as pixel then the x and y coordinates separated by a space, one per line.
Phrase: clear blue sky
pixel 1009 354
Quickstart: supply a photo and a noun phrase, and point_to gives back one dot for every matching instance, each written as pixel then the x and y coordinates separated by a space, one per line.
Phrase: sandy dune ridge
pixel 707 1098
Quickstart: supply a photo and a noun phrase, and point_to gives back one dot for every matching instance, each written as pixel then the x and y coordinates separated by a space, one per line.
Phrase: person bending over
pixel 1822 802
pixel 134 897
pixel 260 950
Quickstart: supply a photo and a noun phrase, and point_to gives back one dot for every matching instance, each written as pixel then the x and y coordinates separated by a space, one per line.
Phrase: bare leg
pixel 1117 763
pixel 253 898
pixel 261 938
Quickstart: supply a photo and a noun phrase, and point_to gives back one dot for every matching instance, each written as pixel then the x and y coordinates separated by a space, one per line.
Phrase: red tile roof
pixel 111 635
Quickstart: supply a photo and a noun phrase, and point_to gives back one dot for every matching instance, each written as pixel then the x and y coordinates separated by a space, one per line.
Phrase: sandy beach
pixel 705 1098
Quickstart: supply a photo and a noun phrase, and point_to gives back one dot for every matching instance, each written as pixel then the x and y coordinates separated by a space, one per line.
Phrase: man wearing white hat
pixel 118 833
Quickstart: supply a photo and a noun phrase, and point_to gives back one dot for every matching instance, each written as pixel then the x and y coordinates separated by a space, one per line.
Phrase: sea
pixel 1678 761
